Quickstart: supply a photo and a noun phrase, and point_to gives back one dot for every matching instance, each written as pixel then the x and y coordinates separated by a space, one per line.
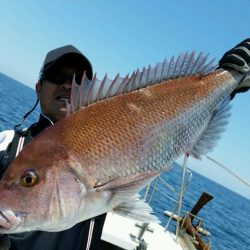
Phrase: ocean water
pixel 16 99
pixel 226 217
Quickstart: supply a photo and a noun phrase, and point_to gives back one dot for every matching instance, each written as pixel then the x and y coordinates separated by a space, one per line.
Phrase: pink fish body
pixel 118 136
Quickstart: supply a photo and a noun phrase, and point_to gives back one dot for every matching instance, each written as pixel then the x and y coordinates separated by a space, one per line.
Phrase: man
pixel 53 90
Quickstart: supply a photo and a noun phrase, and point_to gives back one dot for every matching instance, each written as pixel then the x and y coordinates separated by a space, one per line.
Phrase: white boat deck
pixel 119 230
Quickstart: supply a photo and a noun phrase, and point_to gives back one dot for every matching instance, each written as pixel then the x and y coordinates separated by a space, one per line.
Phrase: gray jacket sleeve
pixel 6 138
pixel 1 157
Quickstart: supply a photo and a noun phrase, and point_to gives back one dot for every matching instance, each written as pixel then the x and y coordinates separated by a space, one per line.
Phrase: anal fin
pixel 137 209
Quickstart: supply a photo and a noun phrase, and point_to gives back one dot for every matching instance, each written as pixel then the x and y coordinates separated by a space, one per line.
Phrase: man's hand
pixel 237 58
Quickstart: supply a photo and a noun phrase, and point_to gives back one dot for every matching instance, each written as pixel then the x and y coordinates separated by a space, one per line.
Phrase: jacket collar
pixel 42 124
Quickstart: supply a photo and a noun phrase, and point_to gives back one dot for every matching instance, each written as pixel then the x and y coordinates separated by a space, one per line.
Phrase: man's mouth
pixel 63 98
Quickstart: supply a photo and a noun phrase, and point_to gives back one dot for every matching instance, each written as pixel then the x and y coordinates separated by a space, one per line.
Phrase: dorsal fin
pixel 95 90
pixel 214 130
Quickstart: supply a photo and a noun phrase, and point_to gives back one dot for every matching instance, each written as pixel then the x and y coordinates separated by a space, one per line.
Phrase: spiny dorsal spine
pixel 95 90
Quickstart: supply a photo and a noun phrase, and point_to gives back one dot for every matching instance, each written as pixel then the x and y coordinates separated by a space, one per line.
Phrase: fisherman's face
pixel 53 96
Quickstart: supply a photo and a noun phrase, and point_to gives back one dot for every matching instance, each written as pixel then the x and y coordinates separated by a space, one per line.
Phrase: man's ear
pixel 38 87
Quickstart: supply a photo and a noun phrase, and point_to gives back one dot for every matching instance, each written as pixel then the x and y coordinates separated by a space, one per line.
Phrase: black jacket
pixel 75 238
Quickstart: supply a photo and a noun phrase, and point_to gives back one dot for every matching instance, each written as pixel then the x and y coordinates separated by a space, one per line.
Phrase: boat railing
pixel 174 192
pixel 170 193
pixel 188 224
pixel 161 189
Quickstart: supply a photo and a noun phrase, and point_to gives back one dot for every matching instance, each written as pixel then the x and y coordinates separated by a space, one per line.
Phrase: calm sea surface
pixel 227 216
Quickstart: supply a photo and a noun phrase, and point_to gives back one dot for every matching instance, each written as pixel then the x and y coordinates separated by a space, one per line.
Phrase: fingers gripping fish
pixel 120 134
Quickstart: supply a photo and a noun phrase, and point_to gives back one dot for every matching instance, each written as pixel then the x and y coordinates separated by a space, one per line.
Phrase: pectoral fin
pixel 125 196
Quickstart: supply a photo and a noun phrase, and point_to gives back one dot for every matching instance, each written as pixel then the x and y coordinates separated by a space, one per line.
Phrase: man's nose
pixel 66 85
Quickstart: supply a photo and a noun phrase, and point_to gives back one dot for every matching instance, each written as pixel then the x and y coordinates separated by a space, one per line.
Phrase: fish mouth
pixel 9 220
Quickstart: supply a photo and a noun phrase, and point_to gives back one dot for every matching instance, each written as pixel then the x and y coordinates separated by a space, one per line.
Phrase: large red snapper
pixel 117 137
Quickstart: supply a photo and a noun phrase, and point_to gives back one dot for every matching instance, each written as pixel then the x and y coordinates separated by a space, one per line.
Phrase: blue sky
pixel 122 35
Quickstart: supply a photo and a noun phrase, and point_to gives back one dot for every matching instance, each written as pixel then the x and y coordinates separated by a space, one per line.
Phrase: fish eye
pixel 29 179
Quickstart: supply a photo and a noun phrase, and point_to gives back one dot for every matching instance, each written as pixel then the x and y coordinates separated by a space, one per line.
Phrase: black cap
pixel 66 56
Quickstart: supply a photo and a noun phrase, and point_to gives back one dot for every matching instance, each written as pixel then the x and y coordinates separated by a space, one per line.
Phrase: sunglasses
pixel 61 78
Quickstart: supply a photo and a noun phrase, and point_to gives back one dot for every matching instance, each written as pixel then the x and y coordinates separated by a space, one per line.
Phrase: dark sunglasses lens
pixel 62 78
pixel 57 78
